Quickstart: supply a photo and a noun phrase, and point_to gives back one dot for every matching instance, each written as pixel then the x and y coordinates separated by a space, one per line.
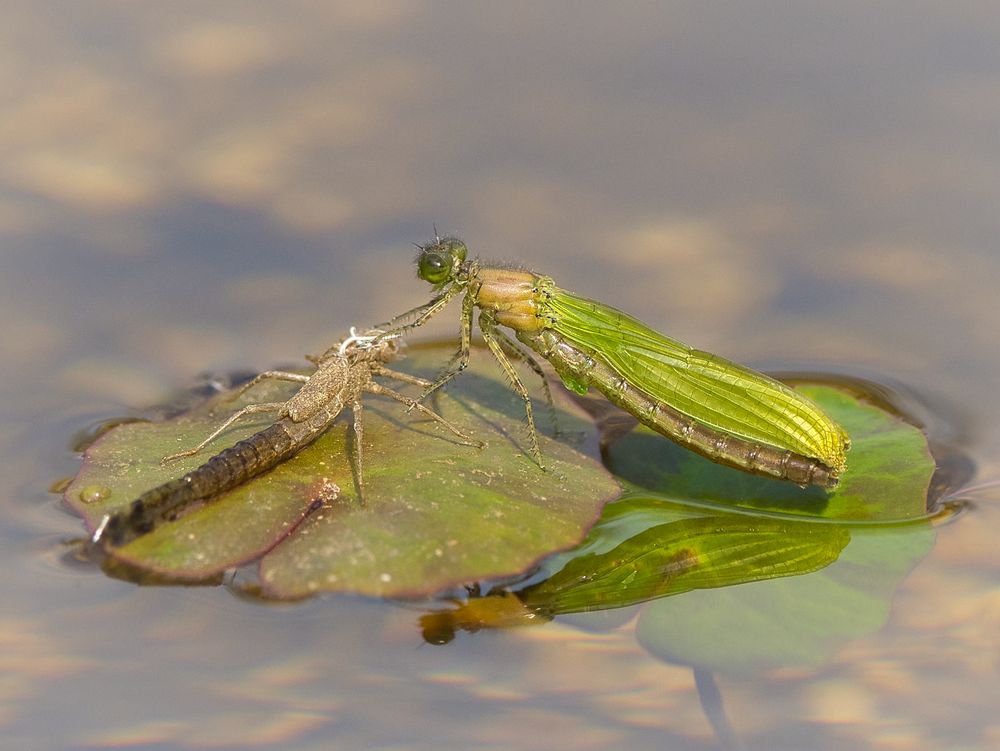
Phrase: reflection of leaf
pixel 435 513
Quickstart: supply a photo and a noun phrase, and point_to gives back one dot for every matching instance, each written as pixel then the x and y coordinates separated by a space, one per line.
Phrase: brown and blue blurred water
pixel 190 188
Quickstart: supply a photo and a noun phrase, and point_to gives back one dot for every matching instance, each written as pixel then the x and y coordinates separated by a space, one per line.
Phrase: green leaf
pixel 435 513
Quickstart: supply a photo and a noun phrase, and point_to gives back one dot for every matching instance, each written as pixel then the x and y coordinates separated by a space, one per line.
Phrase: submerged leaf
pixel 434 513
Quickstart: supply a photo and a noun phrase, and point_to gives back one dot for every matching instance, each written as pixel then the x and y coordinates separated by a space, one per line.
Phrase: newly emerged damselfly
pixel 727 412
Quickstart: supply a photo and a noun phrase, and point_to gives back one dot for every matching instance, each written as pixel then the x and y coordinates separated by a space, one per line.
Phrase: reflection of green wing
pixel 710 389
pixel 698 553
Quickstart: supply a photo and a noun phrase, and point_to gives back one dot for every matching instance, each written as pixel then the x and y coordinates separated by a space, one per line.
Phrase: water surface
pixel 186 191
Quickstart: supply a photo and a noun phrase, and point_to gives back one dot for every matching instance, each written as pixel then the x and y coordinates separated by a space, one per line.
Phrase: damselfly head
pixel 439 262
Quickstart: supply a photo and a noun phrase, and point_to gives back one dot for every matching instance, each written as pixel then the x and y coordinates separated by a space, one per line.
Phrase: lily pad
pixel 434 513
pixel 234 529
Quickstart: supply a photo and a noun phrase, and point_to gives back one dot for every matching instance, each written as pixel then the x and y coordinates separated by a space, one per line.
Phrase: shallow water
pixel 184 193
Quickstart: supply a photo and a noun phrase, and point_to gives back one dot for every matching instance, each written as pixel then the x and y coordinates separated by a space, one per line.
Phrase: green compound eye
pixel 433 267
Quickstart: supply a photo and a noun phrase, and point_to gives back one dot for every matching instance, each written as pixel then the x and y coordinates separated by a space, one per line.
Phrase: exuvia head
pixel 439 262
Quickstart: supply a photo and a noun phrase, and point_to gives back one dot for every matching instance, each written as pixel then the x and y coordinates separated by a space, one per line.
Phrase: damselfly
pixel 728 413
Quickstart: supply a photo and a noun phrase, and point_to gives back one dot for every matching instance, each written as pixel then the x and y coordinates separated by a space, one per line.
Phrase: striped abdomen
pixel 577 367
pixel 224 471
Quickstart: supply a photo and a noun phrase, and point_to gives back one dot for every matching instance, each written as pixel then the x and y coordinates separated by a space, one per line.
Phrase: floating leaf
pixel 435 513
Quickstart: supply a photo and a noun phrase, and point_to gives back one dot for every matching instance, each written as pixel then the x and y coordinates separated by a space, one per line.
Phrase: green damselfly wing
pixel 710 389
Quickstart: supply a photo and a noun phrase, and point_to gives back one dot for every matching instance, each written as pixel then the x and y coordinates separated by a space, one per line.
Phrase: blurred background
pixel 190 188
